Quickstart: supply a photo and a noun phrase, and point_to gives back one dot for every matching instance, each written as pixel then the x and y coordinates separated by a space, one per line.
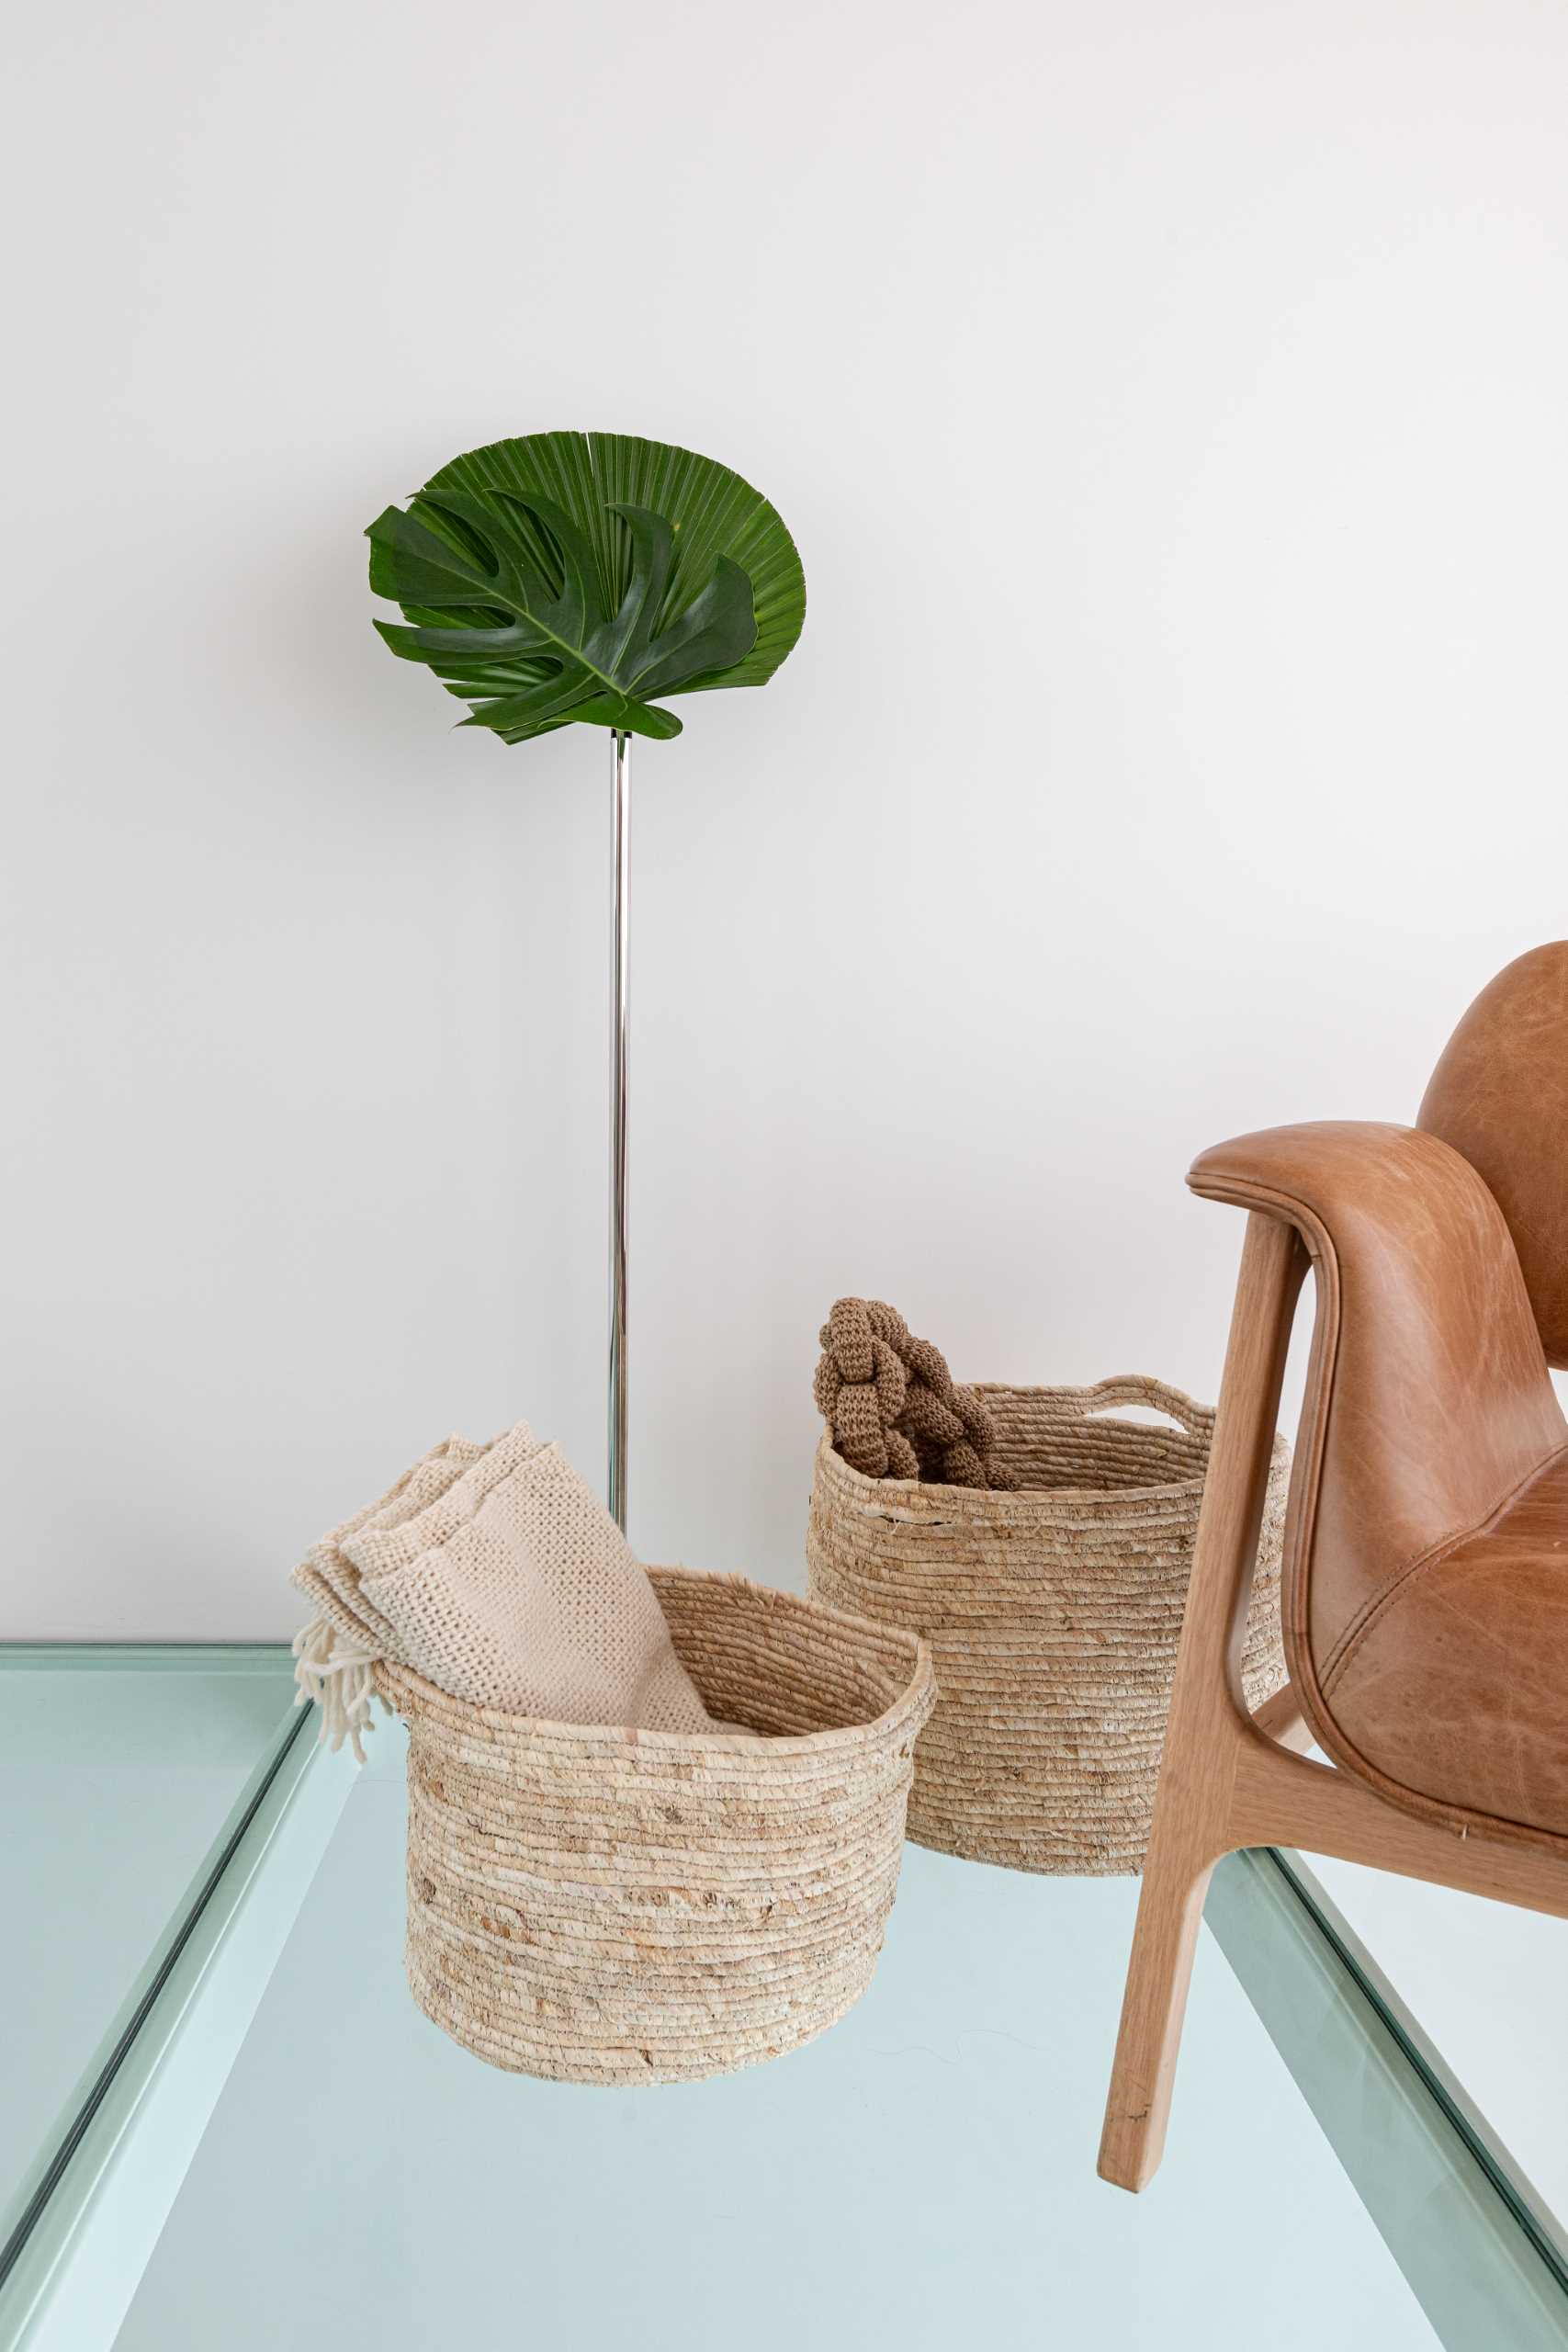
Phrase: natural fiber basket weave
pixel 1053 1615
pixel 639 1906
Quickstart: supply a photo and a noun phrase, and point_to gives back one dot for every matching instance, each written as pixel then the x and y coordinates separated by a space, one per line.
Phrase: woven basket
pixel 622 1907
pixel 1053 1615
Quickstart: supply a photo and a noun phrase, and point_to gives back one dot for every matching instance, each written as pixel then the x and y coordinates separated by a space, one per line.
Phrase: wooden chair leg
pixel 1193 1807
pixel 1170 1911
pixel 1187 1841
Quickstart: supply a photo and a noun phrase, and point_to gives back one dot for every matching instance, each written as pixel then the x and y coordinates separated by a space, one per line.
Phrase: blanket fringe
pixel 334 1670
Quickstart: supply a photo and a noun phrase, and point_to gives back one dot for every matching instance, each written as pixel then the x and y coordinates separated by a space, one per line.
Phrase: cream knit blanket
pixel 495 1573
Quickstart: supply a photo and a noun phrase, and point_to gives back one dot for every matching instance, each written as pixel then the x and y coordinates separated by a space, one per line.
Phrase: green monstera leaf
pixel 572 577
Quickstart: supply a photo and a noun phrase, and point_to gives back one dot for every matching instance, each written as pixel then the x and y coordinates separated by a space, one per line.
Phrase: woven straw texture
pixel 1053 1615
pixel 626 1907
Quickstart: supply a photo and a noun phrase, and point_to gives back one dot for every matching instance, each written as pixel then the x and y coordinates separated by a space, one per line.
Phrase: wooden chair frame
pixel 1230 1778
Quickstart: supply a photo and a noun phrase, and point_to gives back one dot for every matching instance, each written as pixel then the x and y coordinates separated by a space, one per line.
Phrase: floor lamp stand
pixel 617 1396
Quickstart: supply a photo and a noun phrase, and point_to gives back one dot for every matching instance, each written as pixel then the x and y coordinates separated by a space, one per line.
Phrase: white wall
pixel 1168 400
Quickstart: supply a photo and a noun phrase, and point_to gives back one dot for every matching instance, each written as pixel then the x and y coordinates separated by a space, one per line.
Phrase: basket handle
pixel 1157 1395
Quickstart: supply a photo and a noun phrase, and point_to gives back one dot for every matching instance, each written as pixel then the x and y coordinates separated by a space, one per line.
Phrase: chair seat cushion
pixel 1454 1685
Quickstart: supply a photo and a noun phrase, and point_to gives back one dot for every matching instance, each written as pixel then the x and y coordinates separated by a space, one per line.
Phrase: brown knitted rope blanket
pixel 893 1408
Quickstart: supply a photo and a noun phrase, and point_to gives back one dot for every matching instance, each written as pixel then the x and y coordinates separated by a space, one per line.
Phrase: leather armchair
pixel 1424 1598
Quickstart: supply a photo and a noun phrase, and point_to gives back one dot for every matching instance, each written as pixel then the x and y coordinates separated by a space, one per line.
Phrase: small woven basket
pixel 1052 1614
pixel 606 1905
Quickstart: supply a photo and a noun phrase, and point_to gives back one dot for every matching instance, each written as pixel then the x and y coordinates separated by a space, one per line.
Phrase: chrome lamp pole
pixel 618 1397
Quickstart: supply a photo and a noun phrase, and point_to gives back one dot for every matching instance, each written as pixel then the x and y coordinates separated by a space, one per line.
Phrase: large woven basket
pixel 1053 1615
pixel 640 1907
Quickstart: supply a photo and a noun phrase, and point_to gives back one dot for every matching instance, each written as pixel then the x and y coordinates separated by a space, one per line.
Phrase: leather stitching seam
pixel 1374 1606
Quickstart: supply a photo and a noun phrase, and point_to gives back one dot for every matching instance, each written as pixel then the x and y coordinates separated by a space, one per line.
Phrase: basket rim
pixel 919 1692
pixel 1026 1498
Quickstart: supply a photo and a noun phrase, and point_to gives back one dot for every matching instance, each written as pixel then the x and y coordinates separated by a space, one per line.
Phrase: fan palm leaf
pixel 569 577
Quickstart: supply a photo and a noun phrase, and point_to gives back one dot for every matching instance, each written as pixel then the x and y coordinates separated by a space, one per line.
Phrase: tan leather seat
pixel 1457 1689
pixel 1427 1570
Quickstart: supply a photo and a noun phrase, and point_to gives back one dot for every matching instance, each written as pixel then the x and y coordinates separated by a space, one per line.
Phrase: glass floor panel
pixel 1485 1981
pixel 272 2146
pixel 923 2176
pixel 120 1769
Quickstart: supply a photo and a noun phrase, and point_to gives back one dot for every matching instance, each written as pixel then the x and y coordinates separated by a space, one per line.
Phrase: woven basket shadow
pixel 1053 1613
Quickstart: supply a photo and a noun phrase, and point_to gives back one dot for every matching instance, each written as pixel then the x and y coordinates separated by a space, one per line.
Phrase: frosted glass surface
pixel 117 1779
pixel 1485 1981
pixel 922 2176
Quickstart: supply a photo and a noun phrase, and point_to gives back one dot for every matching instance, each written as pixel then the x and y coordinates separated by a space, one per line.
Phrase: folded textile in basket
pixel 495 1573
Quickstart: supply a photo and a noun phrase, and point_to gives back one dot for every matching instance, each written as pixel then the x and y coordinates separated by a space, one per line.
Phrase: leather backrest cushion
pixel 1499 1095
